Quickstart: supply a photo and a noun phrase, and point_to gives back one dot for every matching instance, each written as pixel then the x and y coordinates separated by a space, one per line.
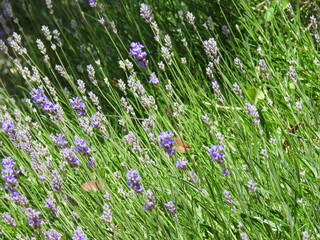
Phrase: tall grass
pixel 238 90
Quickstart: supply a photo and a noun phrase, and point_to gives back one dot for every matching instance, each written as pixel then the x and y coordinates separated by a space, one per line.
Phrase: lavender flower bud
pixel 252 186
pixel 78 234
pixel 167 142
pixel 146 12
pixel 252 111
pixel 153 79
pixel 60 140
pixel 171 209
pixel 81 147
pixel 139 55
pixel 134 180
pixel 33 218
pixel 181 165
pixel 215 153
pixel 56 181
pixel 7 218
pixel 227 197
pixel 70 157
pixel 107 214
pixel 52 234
pixel 51 205
pixel 78 105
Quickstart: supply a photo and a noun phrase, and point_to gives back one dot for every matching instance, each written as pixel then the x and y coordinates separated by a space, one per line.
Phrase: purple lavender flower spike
pixel 51 205
pixel 134 180
pixel 33 218
pixel 39 99
pixel 69 156
pixel 7 218
pixel 60 140
pixel 52 234
pixel 81 147
pixel 78 234
pixel 181 165
pixel 78 105
pixel 92 163
pixel 146 12
pixel 167 142
pixel 92 3
pixel 151 201
pixel 170 207
pixel 10 129
pixel 9 174
pixel 226 172
pixel 139 55
pixel 215 153
pixel 153 79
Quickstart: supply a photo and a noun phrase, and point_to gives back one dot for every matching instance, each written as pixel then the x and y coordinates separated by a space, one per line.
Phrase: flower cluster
pixel 33 218
pixel 81 147
pixel 78 105
pixel 39 99
pixel 9 174
pixel 70 157
pixel 151 201
pixel 7 218
pixel 182 165
pixel 60 140
pixel 52 234
pixel 10 129
pixel 51 205
pixel 215 153
pixel 167 142
pixel 134 180
pixel 107 214
pixel 170 207
pixel 78 234
pixel 252 111
pixel 139 55
pixel 146 12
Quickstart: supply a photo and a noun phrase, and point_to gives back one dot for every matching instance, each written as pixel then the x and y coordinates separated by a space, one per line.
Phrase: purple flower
pixel 139 55
pixel 134 180
pixel 181 165
pixel 9 174
pixel 91 163
pixel 10 129
pixel 69 156
pixel 146 12
pixel 215 153
pixel 167 142
pixel 60 140
pixel 39 99
pixel 153 79
pixel 92 3
pixel 33 218
pixel 7 218
pixel 151 201
pixel 20 200
pixel 78 105
pixel 56 181
pixel 171 209
pixel 78 234
pixel 81 147
pixel 52 234
pixel 107 214
pixel 51 205
pixel 226 172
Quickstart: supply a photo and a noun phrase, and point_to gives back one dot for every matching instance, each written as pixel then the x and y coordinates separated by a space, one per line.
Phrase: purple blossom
pixel 39 99
pixel 134 180
pixel 153 79
pixel 92 163
pixel 181 165
pixel 70 157
pixel 151 201
pixel 170 207
pixel 107 214
pixel 20 200
pixel 10 129
pixel 9 174
pixel 81 147
pixel 146 12
pixel 167 142
pixel 78 234
pixel 226 172
pixel 78 105
pixel 52 234
pixel 92 3
pixel 56 181
pixel 60 140
pixel 51 205
pixel 7 218
pixel 33 218
pixel 215 153
pixel 139 55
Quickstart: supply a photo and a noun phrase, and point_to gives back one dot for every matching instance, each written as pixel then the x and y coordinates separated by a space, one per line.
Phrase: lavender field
pixel 153 120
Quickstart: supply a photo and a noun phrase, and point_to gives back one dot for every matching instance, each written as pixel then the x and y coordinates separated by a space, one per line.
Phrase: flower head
pixel 138 55
pixel 33 218
pixel 134 180
pixel 78 105
pixel 167 142
pixel 81 147
pixel 215 153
